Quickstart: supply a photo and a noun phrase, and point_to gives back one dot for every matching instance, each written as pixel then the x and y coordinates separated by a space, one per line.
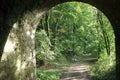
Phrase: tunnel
pixel 18 22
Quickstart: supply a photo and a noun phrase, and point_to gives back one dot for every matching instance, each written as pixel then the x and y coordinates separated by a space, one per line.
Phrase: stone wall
pixel 18 58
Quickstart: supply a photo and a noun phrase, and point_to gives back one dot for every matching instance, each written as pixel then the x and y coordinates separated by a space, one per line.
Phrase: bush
pixel 43 48
pixel 48 75
pixel 104 68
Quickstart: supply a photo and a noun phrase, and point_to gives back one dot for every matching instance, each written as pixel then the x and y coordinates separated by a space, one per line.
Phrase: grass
pixel 50 74
pixel 52 71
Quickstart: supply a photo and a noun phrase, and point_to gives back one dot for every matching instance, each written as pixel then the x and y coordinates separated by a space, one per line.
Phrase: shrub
pixel 48 75
pixel 104 68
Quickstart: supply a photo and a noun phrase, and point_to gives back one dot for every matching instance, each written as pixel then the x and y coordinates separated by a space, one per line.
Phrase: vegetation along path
pixel 78 71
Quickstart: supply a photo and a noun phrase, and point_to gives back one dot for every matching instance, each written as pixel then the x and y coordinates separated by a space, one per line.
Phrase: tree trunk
pixel 47 24
pixel 74 37
pixel 55 31
pixel 105 35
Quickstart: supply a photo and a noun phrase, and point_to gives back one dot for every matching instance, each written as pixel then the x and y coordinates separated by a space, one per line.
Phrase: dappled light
pixel 77 72
pixel 8 49
pixel 59 40
pixel 19 49
pixel 77 39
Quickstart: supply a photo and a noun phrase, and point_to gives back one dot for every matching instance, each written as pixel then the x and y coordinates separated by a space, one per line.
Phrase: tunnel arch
pixel 10 8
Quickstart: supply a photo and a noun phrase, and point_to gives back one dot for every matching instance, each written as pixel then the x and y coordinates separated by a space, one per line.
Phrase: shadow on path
pixel 76 72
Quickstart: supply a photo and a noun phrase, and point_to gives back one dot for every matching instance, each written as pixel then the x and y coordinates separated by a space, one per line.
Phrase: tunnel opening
pixel 75 32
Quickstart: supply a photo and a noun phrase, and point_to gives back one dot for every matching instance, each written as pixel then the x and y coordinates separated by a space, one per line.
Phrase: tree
pixel 71 31
pixel 104 33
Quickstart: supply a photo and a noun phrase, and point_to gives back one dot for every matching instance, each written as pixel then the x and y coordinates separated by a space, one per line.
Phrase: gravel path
pixel 76 72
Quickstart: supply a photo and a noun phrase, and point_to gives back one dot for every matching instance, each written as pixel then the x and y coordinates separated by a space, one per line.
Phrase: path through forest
pixel 77 71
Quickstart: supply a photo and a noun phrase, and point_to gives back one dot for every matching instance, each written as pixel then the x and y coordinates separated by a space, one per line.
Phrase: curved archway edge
pixel 21 18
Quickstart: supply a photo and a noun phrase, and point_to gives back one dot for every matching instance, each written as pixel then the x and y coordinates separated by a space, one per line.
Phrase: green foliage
pixel 75 29
pixel 71 31
pixel 43 47
pixel 48 75
pixel 104 68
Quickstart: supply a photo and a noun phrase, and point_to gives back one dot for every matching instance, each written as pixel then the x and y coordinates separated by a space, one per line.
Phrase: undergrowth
pixel 104 68
pixel 48 75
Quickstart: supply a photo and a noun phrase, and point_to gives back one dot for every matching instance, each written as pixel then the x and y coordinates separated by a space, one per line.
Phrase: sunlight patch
pixel 28 32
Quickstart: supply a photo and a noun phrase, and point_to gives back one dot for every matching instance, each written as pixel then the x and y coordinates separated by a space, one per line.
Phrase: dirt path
pixel 76 71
